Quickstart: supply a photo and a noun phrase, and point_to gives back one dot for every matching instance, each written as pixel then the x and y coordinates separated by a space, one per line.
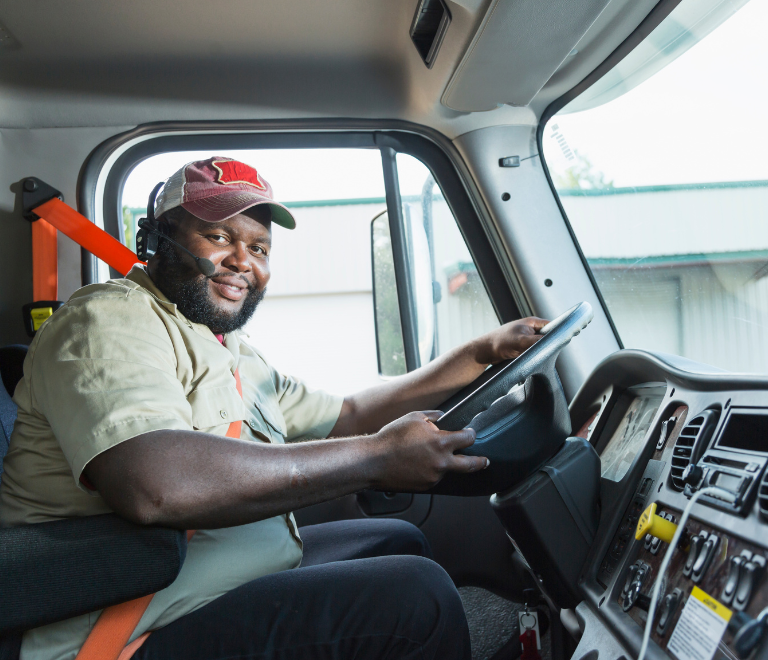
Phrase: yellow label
pixel 39 316
pixel 714 605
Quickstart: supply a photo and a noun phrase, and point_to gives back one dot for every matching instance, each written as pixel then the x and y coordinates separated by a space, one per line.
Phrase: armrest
pixel 56 570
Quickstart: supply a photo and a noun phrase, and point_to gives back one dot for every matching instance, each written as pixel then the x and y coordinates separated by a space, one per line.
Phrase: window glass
pixel 661 169
pixel 389 332
pixel 456 307
pixel 316 320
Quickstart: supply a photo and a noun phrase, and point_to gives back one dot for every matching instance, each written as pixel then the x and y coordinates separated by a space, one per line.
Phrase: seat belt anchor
pixel 35 192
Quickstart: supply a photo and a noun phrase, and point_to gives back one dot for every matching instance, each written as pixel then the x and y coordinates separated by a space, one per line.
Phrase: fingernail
pixel 487 463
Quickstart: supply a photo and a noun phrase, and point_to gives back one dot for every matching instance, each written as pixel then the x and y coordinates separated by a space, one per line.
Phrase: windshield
pixel 666 185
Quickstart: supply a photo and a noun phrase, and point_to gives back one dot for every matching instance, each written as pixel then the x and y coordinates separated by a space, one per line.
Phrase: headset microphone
pixel 151 232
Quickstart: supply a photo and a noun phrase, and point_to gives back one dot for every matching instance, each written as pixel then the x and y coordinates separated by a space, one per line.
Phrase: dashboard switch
pixel 655 525
pixel 667 612
pixel 693 553
pixel 750 575
pixel 631 574
pixel 704 559
pixel 732 581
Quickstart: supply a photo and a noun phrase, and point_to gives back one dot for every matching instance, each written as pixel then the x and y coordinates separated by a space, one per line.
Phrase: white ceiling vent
pixel 518 47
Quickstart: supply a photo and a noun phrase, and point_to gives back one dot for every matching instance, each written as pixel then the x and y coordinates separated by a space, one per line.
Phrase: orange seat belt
pixel 45 262
pixel 43 206
pixel 108 639
pixel 82 231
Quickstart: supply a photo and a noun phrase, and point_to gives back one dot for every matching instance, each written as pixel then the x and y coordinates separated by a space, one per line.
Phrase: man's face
pixel 239 249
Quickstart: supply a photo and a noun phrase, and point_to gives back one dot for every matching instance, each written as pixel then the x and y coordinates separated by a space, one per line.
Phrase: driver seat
pixel 64 568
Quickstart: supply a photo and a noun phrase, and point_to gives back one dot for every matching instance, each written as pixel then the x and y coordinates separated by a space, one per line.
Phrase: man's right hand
pixel 413 454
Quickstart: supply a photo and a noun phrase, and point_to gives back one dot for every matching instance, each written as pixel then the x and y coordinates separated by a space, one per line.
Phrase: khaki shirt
pixel 119 360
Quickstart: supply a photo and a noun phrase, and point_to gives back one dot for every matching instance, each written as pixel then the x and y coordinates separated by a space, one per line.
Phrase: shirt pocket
pixel 270 413
pixel 215 408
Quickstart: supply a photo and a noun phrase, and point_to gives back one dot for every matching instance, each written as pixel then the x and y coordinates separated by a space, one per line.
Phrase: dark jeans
pixel 366 589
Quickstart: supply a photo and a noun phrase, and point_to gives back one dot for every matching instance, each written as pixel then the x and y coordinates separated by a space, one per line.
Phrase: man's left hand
pixel 509 341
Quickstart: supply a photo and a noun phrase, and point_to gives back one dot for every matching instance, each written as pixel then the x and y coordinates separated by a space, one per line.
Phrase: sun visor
pixel 518 47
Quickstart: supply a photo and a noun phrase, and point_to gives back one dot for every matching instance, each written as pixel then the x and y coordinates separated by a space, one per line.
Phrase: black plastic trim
pixel 648 24
pixel 400 258
pixel 431 147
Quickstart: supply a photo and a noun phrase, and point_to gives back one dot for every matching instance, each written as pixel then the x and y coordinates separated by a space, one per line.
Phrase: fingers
pixel 455 440
pixel 459 463
pixel 535 322
pixel 432 415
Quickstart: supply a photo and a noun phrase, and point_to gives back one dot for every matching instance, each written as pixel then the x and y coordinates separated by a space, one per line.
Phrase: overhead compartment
pixel 517 48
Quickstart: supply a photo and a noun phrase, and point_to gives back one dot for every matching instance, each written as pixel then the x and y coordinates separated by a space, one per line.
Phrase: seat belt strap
pixel 108 639
pixel 45 262
pixel 85 233
pixel 43 206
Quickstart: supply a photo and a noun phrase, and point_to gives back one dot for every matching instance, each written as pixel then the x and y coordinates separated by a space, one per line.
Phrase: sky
pixel 701 119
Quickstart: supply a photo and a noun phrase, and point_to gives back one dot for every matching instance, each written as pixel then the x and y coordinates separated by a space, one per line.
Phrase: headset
pixel 151 232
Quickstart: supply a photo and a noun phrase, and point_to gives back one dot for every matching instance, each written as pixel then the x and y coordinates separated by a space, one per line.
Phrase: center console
pixel 664 431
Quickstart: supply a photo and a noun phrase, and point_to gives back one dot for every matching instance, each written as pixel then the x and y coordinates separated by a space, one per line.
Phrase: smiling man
pixel 140 397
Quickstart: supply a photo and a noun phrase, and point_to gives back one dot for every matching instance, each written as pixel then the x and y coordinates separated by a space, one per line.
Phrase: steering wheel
pixel 520 414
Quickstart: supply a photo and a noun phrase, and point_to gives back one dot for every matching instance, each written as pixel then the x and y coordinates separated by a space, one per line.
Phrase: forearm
pixel 421 389
pixel 191 480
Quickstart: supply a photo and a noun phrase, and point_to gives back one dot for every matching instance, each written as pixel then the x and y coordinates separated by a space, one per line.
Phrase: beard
pixel 188 289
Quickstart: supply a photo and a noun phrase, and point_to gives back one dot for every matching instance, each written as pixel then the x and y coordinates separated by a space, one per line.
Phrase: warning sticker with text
pixel 700 627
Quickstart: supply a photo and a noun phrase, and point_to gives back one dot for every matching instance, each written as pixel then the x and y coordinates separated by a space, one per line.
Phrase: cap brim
pixel 218 208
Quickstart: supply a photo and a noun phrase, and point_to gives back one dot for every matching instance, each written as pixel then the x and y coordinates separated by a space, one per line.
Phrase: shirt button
pixel 253 425
pixel 223 414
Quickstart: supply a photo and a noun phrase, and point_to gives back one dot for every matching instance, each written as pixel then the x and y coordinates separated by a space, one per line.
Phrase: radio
pixel 735 461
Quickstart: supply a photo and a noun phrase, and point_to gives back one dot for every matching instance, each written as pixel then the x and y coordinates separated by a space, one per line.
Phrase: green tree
pixel 128 227
pixel 582 175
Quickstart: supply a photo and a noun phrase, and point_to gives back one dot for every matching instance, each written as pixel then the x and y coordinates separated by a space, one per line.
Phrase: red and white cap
pixel 218 188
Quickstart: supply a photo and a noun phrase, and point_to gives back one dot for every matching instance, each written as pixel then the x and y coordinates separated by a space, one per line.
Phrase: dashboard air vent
pixel 762 497
pixel 690 444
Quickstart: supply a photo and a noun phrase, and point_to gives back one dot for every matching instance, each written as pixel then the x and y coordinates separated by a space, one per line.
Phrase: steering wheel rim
pixel 538 359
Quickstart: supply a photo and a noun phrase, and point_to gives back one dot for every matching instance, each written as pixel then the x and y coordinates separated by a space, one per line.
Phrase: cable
pixel 719 493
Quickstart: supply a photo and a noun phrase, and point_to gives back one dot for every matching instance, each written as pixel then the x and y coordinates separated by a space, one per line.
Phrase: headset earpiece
pixel 150 231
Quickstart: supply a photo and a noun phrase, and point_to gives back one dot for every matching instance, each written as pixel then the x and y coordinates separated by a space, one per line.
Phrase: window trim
pixel 103 175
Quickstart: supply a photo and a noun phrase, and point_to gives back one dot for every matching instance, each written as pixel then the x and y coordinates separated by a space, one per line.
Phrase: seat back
pixel 7 418
pixel 11 369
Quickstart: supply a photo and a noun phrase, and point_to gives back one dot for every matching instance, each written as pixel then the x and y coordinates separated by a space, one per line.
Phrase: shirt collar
pixel 138 275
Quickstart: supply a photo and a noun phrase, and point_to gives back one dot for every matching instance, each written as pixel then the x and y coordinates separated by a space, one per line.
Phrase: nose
pixel 237 258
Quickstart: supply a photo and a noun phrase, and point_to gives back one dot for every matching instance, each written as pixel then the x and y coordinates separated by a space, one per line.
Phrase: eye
pixel 217 238
pixel 259 251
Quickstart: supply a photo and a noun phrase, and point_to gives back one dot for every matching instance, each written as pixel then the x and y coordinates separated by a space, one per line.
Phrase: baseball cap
pixel 218 188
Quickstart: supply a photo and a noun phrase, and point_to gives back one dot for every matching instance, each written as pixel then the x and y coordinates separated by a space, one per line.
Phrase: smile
pixel 229 289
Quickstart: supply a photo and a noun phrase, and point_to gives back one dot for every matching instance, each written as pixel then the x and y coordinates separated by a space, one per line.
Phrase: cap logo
pixel 233 171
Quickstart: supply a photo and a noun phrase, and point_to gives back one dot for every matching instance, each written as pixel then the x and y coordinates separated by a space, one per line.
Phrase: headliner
pixel 95 63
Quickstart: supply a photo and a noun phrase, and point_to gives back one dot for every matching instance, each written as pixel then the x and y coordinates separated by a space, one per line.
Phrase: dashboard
pixel 665 428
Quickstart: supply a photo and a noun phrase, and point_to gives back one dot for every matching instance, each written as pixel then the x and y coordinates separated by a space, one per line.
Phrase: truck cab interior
pixel 453 165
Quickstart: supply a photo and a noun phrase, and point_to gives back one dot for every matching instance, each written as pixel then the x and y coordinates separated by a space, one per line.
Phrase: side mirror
pixel 417 289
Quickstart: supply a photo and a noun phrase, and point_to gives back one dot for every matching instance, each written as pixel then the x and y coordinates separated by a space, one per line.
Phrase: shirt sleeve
pixel 309 414
pixel 104 371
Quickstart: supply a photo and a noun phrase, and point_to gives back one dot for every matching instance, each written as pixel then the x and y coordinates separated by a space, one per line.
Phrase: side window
pixel 318 320
pixel 448 299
